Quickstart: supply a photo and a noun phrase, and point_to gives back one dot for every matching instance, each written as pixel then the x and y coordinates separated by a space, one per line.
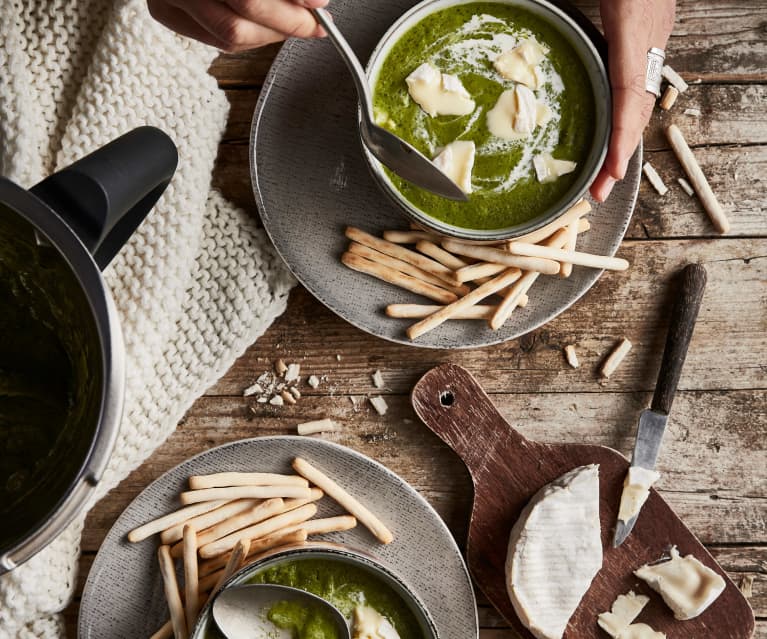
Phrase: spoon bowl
pixel 392 151
pixel 240 612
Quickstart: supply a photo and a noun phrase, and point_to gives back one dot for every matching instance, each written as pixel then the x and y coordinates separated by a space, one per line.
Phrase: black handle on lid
pixel 683 316
pixel 107 194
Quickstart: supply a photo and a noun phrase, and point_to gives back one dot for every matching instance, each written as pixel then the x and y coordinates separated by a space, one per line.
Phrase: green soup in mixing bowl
pixel 464 40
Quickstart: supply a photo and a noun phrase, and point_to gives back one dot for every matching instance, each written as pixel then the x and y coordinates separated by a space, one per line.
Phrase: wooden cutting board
pixel 508 469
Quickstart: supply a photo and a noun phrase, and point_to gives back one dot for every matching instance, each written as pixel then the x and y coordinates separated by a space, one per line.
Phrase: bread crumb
pixel 572 357
pixel 694 112
pixel 313 381
pixel 280 368
pixel 685 186
pixel 288 398
pixel 654 178
pixel 295 392
pixel 276 401
pixel 326 425
pixel 253 389
pixel 379 404
pixel 378 380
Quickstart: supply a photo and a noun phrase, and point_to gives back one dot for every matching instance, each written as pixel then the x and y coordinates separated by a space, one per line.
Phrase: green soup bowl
pixel 587 43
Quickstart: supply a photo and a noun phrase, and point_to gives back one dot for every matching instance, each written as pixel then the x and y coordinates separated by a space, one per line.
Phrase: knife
pixel 652 421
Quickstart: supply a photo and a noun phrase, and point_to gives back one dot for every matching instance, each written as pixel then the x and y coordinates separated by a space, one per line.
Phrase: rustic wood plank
pixel 736 173
pixel 726 352
pixel 713 41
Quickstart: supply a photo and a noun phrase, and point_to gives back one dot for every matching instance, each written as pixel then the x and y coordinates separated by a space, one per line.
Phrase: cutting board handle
pixel 452 404
pixel 683 316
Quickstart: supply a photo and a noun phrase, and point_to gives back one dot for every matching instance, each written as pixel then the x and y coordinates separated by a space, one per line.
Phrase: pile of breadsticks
pixel 458 275
pixel 229 519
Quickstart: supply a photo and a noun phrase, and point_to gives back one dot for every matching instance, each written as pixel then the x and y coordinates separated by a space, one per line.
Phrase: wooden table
pixel 713 464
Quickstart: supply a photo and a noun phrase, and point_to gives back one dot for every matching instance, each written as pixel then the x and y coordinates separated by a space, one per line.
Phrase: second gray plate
pixel 310 181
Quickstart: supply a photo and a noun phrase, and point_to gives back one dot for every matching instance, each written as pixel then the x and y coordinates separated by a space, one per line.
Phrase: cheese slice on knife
pixel 636 490
pixel 555 550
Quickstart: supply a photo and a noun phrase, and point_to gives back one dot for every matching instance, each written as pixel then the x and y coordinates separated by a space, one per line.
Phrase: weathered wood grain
pixel 715 41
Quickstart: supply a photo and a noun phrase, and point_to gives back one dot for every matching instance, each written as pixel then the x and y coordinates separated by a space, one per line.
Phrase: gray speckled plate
pixel 123 597
pixel 311 181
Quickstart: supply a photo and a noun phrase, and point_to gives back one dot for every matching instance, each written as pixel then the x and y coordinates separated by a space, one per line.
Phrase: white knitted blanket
pixel 196 284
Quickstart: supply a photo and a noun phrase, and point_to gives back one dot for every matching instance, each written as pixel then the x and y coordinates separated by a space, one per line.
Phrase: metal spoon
pixel 402 158
pixel 240 611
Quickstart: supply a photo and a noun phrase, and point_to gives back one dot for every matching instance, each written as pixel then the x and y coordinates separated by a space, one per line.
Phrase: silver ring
pixel 655 59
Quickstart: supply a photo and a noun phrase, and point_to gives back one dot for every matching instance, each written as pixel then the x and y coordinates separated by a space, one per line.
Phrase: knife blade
pixel 652 421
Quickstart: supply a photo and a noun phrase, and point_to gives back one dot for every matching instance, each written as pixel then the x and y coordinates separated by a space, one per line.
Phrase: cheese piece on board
pixel 640 631
pixel 686 585
pixel 457 161
pixel 555 550
pixel 548 169
pixel 439 93
pixel 516 114
pixel 625 609
pixel 368 623
pixel 519 64
pixel 636 490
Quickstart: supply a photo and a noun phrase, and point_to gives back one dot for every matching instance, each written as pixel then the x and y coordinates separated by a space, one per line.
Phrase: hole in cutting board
pixel 446 398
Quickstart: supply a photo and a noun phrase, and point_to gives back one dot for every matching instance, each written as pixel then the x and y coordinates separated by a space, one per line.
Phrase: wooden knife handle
pixel 453 404
pixel 683 316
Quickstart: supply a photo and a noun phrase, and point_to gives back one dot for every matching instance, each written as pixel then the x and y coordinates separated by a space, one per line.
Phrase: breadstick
pixel 260 512
pixel 513 296
pixel 172 519
pixel 191 580
pixel 499 256
pixel 172 595
pixel 669 97
pixel 441 255
pixel 401 253
pixel 223 480
pixel 574 257
pixel 261 529
pixel 403 267
pixel 478 271
pixel 244 492
pixel 418 311
pixel 323 526
pixel 165 632
pixel 209 566
pixel 699 181
pixel 326 425
pixel 674 78
pixel 206 520
pixel 357 263
pixel 234 563
pixel 566 268
pixel 493 286
pixel 353 507
pixel 407 237
pixel 578 210
pixel 615 358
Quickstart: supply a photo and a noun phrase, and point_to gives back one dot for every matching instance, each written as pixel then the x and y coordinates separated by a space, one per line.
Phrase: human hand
pixel 237 25
pixel 632 27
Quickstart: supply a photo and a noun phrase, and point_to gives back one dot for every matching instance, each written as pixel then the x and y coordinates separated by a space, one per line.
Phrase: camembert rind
pixel 555 550
pixel 686 585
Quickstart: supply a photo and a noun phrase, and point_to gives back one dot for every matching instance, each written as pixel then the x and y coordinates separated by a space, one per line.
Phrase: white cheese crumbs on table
pixel 669 97
pixel 292 372
pixel 687 586
pixel 615 358
pixel 548 169
pixel 674 78
pixel 276 401
pixel 654 178
pixel 693 111
pixel 438 93
pixel 313 381
pixel 457 161
pixel 572 357
pixel 262 400
pixel 338 357
pixel 378 380
pixel 253 389
pixel 379 404
pixel 326 425
pixel 295 392
pixel 686 187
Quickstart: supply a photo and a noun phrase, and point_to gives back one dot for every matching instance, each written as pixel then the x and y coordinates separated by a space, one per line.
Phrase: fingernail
pixel 607 188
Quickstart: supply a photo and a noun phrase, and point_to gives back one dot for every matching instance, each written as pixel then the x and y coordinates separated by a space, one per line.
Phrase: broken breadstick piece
pixel 172 594
pixel 654 179
pixel 693 111
pixel 572 357
pixel 699 181
pixel 685 186
pixel 326 425
pixel 674 78
pixel 615 358
pixel 669 97
pixel 431 322
pixel 352 506
pixel 191 580
pixel 392 276
pixel 379 404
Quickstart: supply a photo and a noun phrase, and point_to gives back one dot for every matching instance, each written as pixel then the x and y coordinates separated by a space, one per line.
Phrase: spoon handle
pixel 348 55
